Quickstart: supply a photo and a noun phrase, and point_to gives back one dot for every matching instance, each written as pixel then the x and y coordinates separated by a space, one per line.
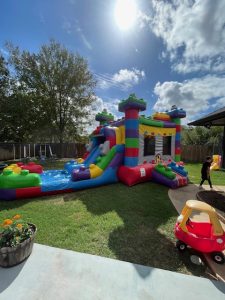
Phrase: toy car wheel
pixel 181 246
pixel 218 257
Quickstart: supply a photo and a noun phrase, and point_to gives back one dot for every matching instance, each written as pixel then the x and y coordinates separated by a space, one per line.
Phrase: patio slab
pixel 52 273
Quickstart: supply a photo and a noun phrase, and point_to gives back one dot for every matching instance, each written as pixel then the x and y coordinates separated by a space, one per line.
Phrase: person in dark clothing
pixel 205 171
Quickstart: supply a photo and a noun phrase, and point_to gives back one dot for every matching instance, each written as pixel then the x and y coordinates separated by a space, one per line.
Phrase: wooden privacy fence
pixel 197 153
pixel 10 151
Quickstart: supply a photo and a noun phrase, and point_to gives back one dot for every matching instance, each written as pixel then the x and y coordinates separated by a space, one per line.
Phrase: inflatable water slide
pixel 108 156
pixel 133 149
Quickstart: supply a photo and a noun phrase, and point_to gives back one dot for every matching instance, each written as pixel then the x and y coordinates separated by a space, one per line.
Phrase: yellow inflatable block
pixel 80 160
pixel 14 168
pixel 95 171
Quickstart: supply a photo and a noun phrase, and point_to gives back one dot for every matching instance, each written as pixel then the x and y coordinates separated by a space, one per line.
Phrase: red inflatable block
pixel 97 130
pixel 32 167
pixel 134 175
pixel 28 192
pixel 131 114
pixel 112 141
pixel 85 155
pixel 177 151
pixel 131 152
pixel 178 128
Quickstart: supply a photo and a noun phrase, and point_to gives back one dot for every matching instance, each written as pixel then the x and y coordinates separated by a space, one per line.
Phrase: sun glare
pixel 125 13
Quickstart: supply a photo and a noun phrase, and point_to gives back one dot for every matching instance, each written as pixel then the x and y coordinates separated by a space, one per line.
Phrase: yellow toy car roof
pixel 204 207
pixel 199 205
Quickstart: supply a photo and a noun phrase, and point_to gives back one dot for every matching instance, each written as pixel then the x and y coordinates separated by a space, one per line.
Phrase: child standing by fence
pixel 205 171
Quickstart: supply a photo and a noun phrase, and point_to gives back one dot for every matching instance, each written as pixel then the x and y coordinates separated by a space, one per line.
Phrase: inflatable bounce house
pixel 133 149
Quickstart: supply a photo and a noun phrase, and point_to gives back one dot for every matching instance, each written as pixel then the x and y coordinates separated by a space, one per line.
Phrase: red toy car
pixel 207 237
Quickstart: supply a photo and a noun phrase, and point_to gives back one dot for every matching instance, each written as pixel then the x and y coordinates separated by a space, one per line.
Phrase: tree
pixel 200 135
pixel 4 77
pixel 19 118
pixel 58 84
pixel 4 91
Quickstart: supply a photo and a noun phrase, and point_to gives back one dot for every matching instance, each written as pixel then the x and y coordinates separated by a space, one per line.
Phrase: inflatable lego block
pixel 10 180
pixel 178 168
pixel 165 171
pixel 14 167
pixel 134 175
pixel 32 168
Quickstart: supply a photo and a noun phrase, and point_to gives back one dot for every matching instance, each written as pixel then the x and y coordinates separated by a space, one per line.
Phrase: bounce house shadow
pixel 143 238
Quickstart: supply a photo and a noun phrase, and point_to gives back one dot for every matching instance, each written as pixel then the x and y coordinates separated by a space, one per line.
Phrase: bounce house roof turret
pixel 176 112
pixel 132 102
pixel 104 117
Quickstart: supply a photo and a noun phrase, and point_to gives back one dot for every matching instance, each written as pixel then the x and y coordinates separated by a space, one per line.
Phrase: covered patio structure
pixel 216 118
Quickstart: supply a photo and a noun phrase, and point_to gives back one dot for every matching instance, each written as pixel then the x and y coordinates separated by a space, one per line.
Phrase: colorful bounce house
pixel 133 149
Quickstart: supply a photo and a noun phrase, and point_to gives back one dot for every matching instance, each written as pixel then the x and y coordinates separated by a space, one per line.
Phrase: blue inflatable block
pixel 177 137
pixel 131 161
pixel 131 124
pixel 92 156
pixel 120 148
pixel 178 169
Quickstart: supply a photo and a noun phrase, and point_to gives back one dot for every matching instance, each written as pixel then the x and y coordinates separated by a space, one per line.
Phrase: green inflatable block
pixel 98 159
pixel 165 171
pixel 10 180
pixel 150 122
pixel 132 142
pixel 107 158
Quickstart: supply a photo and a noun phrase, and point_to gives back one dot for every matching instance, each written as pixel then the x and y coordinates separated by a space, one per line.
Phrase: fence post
pixel 14 152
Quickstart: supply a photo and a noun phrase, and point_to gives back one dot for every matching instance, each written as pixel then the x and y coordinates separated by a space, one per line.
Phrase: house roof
pixel 216 118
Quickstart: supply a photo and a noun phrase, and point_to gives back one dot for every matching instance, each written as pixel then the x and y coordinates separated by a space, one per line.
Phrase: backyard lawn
pixel 194 174
pixel 133 224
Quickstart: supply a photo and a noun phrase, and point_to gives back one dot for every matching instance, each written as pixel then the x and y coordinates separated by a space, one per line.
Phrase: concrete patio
pixel 52 273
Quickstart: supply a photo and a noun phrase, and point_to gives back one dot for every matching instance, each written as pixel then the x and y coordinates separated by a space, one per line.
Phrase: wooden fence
pixel 19 151
pixel 189 153
pixel 197 153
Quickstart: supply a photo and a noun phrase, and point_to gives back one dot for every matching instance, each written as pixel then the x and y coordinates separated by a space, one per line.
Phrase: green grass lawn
pixel 194 174
pixel 133 224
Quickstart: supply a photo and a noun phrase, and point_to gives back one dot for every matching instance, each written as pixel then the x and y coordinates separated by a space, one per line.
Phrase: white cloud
pixel 110 105
pixel 128 77
pixel 124 79
pixel 143 19
pixel 193 33
pixel 195 95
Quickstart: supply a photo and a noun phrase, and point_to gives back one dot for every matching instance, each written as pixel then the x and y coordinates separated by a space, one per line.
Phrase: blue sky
pixel 173 52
